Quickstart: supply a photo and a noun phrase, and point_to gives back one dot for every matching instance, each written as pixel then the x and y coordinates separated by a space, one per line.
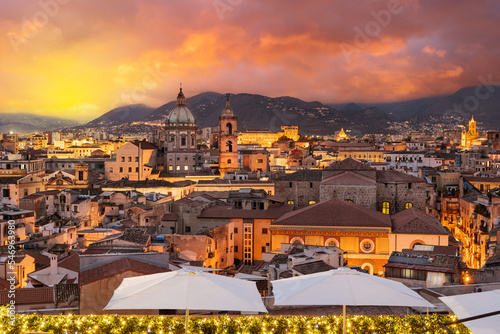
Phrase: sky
pixel 78 59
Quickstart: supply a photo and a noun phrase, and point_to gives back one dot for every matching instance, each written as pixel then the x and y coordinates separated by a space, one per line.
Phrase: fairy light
pixel 74 324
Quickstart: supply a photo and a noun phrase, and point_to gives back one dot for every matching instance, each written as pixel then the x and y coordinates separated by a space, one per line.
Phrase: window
pixel 121 169
pixel 368 267
pixel 310 184
pixel 260 161
pixel 247 243
pixel 263 249
pixel 6 193
pixel 170 157
pixel 367 245
pixel 235 249
pixel 409 185
pixel 331 242
pixel 228 161
pixel 386 208
pixel 130 169
pixel 137 169
pixel 187 229
pixel 297 241
pixel 178 168
pixel 136 159
pixel 185 157
pixel 408 205
pixel 312 202
pixel 192 141
pixel 111 169
pixel 290 184
pixel 264 231
pixel 235 230
pixel 123 159
pixel 183 141
pixel 290 202
pixel 129 159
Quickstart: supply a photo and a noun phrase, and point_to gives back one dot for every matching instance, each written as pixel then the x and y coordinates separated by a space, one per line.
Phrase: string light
pixel 95 324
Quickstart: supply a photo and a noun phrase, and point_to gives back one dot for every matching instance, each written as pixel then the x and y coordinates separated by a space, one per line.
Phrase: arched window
pixel 386 208
pixel 312 202
pixel 290 202
pixel 416 243
pixel 229 146
pixel 349 200
pixel 331 242
pixel 228 161
pixel 229 127
pixel 297 241
pixel 367 245
pixel 408 205
pixel 367 266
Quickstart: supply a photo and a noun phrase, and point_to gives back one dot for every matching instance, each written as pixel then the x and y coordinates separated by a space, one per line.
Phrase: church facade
pixel 177 141
pixel 471 137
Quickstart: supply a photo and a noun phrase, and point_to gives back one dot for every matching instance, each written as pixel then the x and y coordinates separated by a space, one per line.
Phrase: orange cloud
pixel 91 56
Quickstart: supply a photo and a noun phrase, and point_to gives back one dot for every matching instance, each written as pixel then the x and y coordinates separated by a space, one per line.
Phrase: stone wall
pixel 300 192
pixel 364 195
pixel 398 194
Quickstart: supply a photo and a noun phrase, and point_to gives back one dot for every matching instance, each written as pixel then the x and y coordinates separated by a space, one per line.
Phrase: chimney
pixel 53 265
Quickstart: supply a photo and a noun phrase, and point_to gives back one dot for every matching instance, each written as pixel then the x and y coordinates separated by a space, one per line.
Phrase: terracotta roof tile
pixel 335 212
pixel 117 267
pixel 413 221
pixel 303 175
pixel 71 262
pixel 389 176
pixel 29 296
pixel 223 211
pixel 312 267
pixel 349 164
pixel 169 217
pixel 349 178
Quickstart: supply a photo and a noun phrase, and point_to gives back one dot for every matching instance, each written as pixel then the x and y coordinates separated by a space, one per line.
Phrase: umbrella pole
pixel 187 321
pixel 344 320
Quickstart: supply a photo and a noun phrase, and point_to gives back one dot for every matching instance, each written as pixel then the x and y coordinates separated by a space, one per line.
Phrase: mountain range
pixel 26 123
pixel 263 112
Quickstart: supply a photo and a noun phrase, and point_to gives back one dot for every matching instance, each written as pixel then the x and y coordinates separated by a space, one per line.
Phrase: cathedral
pixel 471 137
pixel 177 141
pixel 177 150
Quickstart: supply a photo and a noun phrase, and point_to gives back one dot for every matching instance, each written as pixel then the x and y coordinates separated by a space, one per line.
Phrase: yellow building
pixel 471 137
pixel 267 138
pixel 366 236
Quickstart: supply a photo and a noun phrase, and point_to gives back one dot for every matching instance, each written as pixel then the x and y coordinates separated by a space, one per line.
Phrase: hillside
pixel 122 115
pixel 25 123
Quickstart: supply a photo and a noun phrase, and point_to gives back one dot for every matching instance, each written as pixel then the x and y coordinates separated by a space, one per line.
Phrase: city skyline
pixel 80 59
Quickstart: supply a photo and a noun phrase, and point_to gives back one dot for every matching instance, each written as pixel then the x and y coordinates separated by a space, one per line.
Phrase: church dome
pixel 180 114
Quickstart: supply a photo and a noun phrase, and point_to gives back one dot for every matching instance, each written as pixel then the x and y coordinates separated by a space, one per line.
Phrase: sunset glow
pixel 78 59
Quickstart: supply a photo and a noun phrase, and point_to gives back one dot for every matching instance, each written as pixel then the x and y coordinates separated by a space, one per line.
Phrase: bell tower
pixel 228 140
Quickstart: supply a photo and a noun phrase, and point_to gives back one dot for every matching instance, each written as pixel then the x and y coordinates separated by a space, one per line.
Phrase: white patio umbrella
pixel 344 286
pixel 475 305
pixel 187 290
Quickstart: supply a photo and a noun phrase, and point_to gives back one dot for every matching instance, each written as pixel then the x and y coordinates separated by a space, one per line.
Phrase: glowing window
pixel 386 208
